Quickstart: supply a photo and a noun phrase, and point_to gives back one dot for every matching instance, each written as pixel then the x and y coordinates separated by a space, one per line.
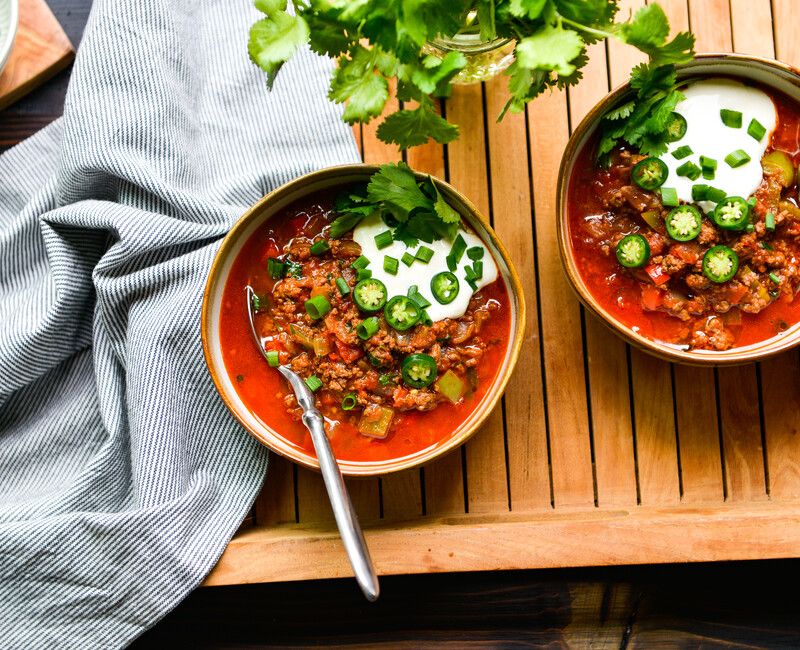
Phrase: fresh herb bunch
pixel 413 210
pixel 377 40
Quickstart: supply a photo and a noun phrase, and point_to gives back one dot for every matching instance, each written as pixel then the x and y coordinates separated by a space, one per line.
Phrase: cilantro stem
pixel 601 33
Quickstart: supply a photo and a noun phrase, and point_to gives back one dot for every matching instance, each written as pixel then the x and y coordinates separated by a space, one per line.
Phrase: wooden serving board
pixel 600 453
pixel 41 50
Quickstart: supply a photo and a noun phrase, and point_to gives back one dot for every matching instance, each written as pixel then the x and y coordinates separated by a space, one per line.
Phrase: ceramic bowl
pixel 767 72
pixel 9 17
pixel 267 208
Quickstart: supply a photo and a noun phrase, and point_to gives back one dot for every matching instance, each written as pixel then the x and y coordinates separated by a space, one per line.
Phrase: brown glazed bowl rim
pixel 732 66
pixel 298 189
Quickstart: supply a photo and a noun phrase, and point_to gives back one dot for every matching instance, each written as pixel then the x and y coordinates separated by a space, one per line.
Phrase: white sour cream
pixel 707 136
pixel 420 273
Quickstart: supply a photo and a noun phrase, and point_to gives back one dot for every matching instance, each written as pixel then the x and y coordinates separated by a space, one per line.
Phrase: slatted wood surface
pixel 599 454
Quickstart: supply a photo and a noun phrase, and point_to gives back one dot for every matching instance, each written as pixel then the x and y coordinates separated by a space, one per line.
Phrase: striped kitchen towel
pixel 122 476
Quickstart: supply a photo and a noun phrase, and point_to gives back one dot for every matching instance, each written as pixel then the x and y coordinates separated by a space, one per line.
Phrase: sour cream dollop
pixel 420 273
pixel 708 136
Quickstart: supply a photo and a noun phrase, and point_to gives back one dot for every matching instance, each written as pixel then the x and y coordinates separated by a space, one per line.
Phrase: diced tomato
pixel 347 352
pixel 652 297
pixel 736 293
pixel 657 274
pixel 689 253
pixel 321 290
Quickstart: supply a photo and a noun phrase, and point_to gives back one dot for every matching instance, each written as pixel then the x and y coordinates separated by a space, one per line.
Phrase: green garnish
pixel 732 119
pixel 689 170
pixel 669 197
pixel 775 277
pixel 319 247
pixel 407 259
pixel 769 221
pixel 363 274
pixel 376 41
pixel 424 254
pixel 275 268
pixel 756 130
pixel 476 252
pixel 390 264
pixel 314 383
pixel 273 358
pixel 737 158
pixel 360 262
pixel 342 286
pixel 317 307
pixel 413 210
pixel 682 152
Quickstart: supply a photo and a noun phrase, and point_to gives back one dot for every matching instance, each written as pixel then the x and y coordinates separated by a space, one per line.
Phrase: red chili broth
pixel 619 294
pixel 259 386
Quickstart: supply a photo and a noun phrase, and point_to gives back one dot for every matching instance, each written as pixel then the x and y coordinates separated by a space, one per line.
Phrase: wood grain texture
pixel 522 540
pixel 567 415
pixel 41 50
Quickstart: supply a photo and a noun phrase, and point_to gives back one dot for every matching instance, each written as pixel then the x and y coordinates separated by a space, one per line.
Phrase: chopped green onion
pixel 367 328
pixel 707 163
pixel 775 277
pixel 769 221
pixel 424 254
pixel 349 402
pixel 730 118
pixel 471 282
pixel 390 264
pixel 756 130
pixel 477 267
pixel 273 358
pixel 682 152
pixel 689 170
pixel 342 286
pixel 384 239
pixel 737 158
pixel 469 272
pixel 451 263
pixel 424 318
pixel 360 262
pixel 314 383
pixel 749 228
pixel 715 195
pixel 320 247
pixel 295 269
pixel 766 246
pixel 386 379
pixel 317 307
pixel 708 174
pixel 475 253
pixel 363 274
pixel 699 192
pixel 407 259
pixel 752 202
pixel 256 302
pixel 458 249
pixel 417 297
pixel 669 197
pixel 275 268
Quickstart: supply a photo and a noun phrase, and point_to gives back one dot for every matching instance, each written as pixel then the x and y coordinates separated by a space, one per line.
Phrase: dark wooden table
pixel 750 604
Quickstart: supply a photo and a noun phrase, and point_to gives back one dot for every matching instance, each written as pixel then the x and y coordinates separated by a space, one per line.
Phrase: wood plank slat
pixel 487 487
pixel 567 408
pixel 593 537
pixel 780 376
pixel 275 503
pixel 607 360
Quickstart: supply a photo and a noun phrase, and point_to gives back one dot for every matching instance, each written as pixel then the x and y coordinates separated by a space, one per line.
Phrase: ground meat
pixel 769 259
pixel 331 350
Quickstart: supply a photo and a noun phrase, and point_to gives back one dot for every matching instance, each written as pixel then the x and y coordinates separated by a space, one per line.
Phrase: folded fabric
pixel 122 476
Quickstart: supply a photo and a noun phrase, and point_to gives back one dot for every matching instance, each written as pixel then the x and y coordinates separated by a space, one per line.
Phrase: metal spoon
pixel 343 511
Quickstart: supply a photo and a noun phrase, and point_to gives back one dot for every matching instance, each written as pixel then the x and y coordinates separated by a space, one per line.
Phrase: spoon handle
pixel 343 511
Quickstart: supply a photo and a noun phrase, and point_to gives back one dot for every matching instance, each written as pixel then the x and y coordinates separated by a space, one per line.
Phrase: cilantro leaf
pixel 550 48
pixel 269 7
pixel 621 112
pixel 408 128
pixel 395 186
pixel 443 209
pixel 274 39
pixel 357 82
pixel 648 30
pixel 435 71
pixel 530 9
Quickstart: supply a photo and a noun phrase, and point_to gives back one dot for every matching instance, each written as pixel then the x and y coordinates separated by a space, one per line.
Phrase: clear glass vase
pixel 485 59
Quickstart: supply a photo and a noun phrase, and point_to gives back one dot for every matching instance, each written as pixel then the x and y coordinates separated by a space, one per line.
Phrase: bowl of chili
pixel 675 252
pixel 408 343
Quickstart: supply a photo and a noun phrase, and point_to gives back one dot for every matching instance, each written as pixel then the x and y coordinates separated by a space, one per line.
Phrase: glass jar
pixel 485 59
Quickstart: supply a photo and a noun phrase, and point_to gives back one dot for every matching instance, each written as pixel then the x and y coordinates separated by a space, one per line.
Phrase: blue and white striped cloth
pixel 122 476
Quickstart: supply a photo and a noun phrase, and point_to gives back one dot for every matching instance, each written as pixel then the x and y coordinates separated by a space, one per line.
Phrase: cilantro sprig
pixel 413 210
pixel 375 41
